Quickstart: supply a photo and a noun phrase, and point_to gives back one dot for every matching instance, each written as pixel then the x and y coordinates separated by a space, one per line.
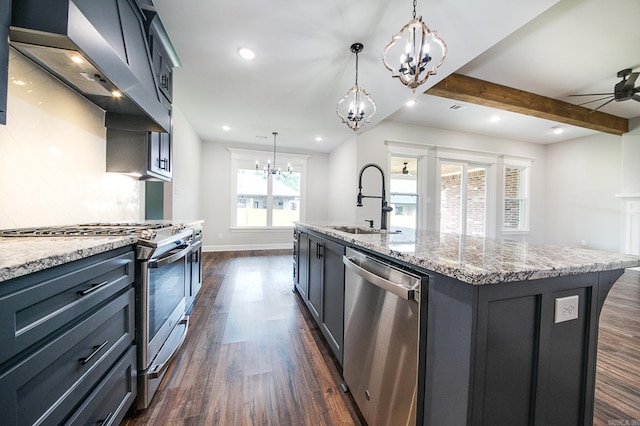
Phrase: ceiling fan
pixel 622 91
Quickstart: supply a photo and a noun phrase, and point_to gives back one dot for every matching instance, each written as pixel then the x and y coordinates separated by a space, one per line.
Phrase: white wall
pixel 343 183
pixel 630 157
pixel 215 195
pixel 52 157
pixel 182 194
pixel 583 175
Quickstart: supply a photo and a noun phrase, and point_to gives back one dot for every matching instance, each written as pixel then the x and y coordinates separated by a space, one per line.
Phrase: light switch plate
pixel 566 308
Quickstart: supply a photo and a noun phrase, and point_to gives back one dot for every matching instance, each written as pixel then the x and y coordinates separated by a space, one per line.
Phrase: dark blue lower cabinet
pixel 83 369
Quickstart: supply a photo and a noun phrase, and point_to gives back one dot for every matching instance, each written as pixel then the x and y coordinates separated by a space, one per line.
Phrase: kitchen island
pixel 494 351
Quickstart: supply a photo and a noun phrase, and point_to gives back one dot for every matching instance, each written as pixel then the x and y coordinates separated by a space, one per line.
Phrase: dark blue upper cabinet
pixel 5 13
pixel 110 35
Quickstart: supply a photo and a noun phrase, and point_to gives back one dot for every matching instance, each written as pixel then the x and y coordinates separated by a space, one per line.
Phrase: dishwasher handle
pixel 383 283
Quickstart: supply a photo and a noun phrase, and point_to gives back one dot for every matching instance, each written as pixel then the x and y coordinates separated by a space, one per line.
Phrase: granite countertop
pixel 25 255
pixel 477 260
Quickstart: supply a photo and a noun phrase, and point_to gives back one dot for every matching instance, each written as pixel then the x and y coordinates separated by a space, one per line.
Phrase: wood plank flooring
pixel 618 368
pixel 254 356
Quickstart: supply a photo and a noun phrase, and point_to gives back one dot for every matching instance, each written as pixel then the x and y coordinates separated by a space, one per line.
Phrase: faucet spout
pixel 385 209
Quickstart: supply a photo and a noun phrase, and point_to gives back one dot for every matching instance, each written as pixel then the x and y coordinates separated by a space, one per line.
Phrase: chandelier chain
pixel 414 8
pixel 356 68
pixel 275 134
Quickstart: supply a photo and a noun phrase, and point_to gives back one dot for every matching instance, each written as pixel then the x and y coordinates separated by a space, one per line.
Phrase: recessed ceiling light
pixel 558 130
pixel 411 102
pixel 246 53
pixel 495 118
pixel 456 106
pixel 226 128
pixel 318 139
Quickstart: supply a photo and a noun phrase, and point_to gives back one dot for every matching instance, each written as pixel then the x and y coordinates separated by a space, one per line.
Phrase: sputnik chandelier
pixel 356 107
pixel 273 170
pixel 414 53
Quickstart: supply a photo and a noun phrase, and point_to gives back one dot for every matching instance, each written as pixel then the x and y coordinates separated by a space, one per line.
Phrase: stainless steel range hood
pixel 97 48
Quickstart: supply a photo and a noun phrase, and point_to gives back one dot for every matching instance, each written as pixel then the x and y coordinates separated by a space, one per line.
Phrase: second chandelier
pixel 356 107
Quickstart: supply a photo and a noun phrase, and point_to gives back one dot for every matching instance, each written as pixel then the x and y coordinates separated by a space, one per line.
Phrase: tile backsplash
pixel 52 156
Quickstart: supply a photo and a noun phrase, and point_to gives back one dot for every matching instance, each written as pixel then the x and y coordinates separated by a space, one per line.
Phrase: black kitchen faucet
pixel 385 208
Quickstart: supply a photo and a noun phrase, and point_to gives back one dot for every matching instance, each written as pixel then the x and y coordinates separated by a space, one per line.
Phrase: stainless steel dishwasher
pixel 383 309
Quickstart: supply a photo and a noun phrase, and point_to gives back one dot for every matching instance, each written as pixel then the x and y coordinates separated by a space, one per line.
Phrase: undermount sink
pixel 361 230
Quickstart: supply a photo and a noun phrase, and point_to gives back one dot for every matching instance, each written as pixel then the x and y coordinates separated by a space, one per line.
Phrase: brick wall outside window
pixel 512 198
pixel 476 202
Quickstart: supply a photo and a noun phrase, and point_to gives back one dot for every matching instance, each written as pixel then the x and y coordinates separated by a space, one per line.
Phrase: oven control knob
pixel 148 234
pixel 177 228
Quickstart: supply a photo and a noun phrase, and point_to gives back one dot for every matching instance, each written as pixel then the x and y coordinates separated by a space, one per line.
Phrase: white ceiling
pixel 303 65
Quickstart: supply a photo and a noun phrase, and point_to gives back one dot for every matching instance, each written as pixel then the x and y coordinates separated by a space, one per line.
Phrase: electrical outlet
pixel 566 308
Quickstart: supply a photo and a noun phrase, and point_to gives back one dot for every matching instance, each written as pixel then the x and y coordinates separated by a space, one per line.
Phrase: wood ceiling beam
pixel 472 90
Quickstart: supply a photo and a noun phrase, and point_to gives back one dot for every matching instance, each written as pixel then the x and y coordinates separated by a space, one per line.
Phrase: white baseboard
pixel 248 247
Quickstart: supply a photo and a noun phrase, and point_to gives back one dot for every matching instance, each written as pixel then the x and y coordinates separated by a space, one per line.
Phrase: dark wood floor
pixel 618 367
pixel 253 355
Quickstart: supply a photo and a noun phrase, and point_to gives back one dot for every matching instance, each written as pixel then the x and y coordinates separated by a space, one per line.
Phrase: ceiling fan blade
pixel 594 110
pixel 594 94
pixel 595 100
pixel 631 81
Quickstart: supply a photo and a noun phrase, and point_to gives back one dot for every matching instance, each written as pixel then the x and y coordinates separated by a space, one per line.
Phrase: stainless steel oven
pixel 160 309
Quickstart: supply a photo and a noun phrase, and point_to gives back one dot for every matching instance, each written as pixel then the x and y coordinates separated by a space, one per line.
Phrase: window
pixel 265 201
pixel 516 179
pixel 461 191
pixel 463 198
pixel 403 192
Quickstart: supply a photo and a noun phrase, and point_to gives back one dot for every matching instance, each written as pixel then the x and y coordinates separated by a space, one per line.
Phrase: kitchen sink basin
pixel 361 230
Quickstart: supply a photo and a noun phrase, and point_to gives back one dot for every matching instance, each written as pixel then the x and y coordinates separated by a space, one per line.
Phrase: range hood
pixel 99 49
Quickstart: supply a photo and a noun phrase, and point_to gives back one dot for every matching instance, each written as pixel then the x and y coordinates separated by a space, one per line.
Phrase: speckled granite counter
pixel 25 255
pixel 477 261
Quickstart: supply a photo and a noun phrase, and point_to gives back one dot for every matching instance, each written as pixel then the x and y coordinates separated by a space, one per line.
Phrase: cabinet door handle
pixel 94 287
pixel 106 419
pixel 96 349
pixel 162 163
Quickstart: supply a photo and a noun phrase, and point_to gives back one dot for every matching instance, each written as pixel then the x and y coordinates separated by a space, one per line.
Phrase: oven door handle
pixel 172 257
pixel 157 370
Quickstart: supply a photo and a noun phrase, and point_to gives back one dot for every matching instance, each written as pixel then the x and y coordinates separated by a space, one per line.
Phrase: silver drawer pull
pixel 106 419
pixel 93 288
pixel 96 349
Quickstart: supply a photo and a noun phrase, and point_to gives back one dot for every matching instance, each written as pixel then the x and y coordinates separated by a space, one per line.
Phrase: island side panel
pixel 528 368
pixel 450 341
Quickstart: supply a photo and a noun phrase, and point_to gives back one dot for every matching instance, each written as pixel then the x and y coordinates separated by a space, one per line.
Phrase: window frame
pixel 246 158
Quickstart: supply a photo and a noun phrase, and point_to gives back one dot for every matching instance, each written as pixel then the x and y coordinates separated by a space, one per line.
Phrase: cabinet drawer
pixel 109 402
pixel 49 383
pixel 36 306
